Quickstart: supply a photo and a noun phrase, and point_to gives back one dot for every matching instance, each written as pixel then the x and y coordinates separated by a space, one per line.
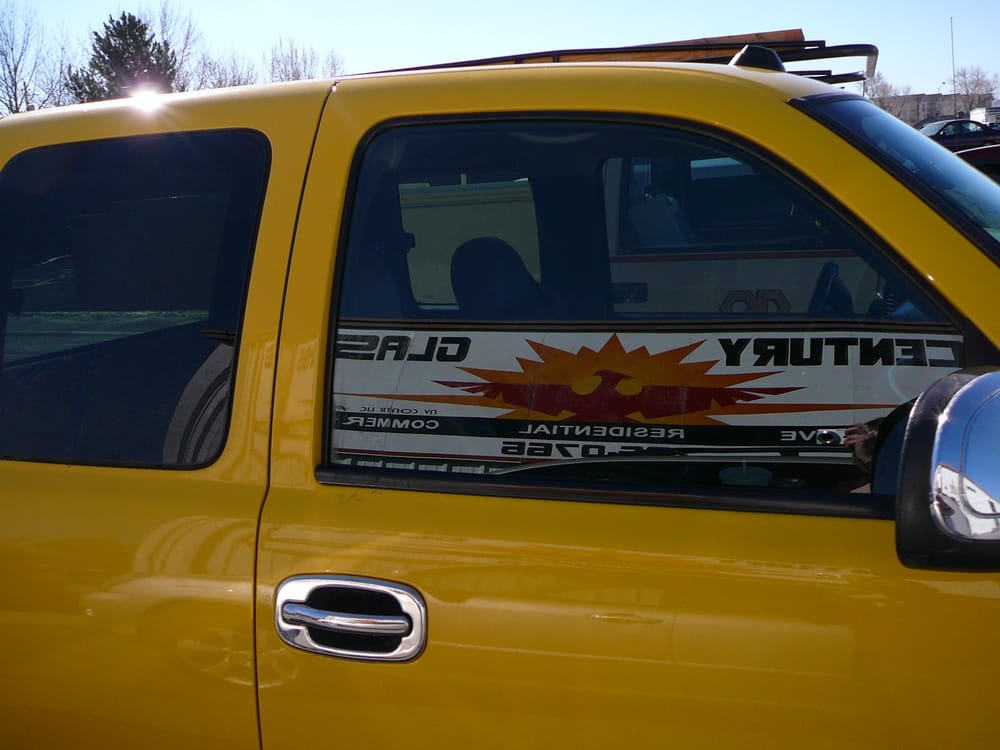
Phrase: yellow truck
pixel 513 405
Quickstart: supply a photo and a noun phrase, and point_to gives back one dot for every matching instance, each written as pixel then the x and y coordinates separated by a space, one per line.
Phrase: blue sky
pixel 914 38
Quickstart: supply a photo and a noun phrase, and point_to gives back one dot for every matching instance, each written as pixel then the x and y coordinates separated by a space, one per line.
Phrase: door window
pixel 607 304
pixel 122 282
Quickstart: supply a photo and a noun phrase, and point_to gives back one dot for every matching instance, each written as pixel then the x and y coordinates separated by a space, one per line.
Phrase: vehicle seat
pixel 491 282
pixel 831 298
pixel 372 290
pixel 658 222
pixel 377 277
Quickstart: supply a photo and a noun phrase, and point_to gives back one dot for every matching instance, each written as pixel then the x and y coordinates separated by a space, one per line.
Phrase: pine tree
pixel 124 58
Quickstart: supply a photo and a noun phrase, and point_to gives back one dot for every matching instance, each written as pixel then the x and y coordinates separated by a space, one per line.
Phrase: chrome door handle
pixel 342 622
pixel 351 617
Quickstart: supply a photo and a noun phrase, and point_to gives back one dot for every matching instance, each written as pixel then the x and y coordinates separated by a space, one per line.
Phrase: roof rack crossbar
pixel 790 46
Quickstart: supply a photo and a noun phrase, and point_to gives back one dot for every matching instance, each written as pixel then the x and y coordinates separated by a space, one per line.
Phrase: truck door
pixel 560 454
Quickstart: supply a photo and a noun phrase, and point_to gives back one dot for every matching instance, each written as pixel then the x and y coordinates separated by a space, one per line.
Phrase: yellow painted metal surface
pixel 126 594
pixel 563 624
pixel 599 625
pixel 137 606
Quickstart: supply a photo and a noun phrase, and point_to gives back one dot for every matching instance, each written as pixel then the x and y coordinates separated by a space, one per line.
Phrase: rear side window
pixel 122 282
pixel 617 304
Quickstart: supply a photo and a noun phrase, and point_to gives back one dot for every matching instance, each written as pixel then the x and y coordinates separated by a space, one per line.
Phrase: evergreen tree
pixel 125 57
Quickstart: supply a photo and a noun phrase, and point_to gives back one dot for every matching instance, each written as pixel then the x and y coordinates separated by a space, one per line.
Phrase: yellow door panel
pixel 592 625
pixel 589 622
pixel 126 608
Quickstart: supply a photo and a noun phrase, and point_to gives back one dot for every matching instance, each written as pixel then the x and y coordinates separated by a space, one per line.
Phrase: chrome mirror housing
pixel 948 505
pixel 965 480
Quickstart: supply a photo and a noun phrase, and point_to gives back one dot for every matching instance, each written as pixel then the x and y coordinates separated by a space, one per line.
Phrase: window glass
pixel 448 214
pixel 945 181
pixel 122 275
pixel 616 303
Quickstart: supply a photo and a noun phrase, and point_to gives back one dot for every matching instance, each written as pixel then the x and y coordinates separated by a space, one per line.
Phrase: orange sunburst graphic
pixel 615 385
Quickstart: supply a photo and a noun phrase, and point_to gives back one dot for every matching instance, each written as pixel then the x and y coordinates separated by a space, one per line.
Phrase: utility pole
pixel 954 98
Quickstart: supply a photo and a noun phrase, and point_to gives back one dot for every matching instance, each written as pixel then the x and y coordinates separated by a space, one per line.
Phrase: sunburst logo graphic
pixel 615 385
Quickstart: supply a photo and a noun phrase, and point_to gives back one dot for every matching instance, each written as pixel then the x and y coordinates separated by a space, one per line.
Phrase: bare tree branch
pixel 885 95
pixel 289 62
pixel 184 38
pixel 974 87
pixel 333 64
pixel 32 74
pixel 219 72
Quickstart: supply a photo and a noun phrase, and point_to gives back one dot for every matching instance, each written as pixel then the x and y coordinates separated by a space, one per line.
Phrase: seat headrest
pixel 491 282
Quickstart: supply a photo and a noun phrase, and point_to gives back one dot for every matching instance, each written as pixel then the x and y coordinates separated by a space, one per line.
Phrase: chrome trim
pixel 342 622
pixel 965 463
pixel 294 618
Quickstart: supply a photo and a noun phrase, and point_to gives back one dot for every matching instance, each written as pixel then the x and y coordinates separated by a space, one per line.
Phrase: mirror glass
pixel 965 499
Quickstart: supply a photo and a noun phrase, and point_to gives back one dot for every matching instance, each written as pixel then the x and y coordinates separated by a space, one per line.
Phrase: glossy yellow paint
pixel 596 625
pixel 562 624
pixel 126 595
pixel 137 606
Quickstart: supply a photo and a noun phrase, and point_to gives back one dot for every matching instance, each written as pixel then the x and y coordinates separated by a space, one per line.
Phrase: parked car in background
pixel 961 134
pixel 985 158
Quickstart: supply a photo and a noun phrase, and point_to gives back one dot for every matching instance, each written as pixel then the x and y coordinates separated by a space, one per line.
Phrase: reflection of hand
pixel 861 439
pixel 858 433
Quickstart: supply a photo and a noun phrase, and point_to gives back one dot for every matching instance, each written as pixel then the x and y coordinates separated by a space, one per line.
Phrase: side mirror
pixel 948 502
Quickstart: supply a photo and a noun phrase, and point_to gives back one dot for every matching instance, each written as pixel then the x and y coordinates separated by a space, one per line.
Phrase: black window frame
pixel 785 500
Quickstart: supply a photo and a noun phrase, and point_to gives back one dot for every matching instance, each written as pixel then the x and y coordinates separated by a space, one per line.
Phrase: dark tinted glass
pixel 123 270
